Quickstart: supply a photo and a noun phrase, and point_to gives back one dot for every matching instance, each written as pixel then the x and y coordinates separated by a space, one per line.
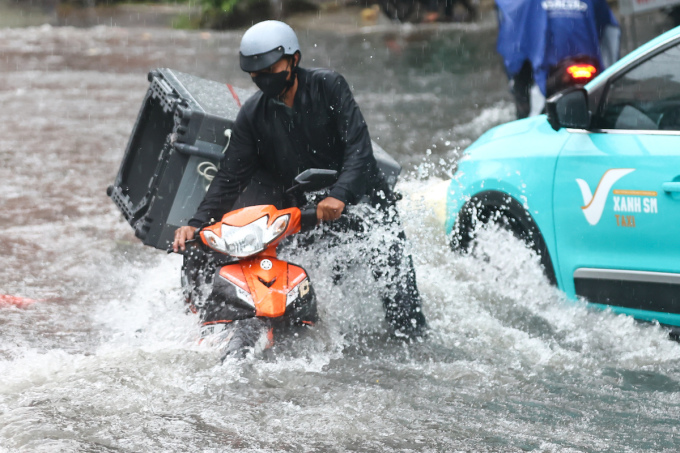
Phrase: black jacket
pixel 324 129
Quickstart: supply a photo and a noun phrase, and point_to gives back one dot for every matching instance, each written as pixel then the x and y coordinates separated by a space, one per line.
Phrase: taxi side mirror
pixel 569 108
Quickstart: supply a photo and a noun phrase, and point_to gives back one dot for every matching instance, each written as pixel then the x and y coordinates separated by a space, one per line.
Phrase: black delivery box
pixel 174 151
pixel 182 129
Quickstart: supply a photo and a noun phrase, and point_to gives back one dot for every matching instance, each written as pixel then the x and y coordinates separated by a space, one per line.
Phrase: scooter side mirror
pixel 569 108
pixel 315 179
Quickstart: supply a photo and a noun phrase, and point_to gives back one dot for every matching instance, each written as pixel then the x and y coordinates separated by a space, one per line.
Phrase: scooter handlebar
pixel 188 242
pixel 308 219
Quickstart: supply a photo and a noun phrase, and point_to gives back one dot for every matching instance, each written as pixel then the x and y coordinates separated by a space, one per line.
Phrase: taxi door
pixel 617 194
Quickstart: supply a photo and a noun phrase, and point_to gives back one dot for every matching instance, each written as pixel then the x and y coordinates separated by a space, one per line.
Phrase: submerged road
pixel 104 358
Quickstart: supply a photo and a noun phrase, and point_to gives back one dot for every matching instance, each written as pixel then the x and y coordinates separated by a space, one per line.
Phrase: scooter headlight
pixel 252 238
pixel 214 241
pixel 276 229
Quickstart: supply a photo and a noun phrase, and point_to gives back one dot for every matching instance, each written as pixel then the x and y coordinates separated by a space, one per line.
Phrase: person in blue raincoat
pixel 536 36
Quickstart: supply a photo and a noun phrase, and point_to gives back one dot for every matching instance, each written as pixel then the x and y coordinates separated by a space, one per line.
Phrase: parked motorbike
pixel 417 10
pixel 253 297
pixel 401 10
pixel 571 72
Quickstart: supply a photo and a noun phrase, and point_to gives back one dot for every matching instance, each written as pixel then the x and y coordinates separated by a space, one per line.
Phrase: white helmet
pixel 265 43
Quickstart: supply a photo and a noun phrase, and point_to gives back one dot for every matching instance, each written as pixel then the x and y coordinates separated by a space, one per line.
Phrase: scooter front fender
pixel 263 287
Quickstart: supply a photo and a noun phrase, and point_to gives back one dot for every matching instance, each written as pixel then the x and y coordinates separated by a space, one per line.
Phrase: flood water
pixel 106 358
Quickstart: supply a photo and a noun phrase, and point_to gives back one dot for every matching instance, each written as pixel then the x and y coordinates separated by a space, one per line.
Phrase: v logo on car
pixel 593 205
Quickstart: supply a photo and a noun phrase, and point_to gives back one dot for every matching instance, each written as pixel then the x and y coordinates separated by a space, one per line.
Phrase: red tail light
pixel 581 71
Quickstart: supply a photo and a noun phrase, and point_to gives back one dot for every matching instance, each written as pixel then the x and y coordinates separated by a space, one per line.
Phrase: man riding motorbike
pixel 301 119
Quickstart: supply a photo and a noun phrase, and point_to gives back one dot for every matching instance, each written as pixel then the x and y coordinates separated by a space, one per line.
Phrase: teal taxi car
pixel 593 186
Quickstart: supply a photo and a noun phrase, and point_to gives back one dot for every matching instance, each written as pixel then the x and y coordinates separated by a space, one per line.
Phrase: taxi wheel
pixel 505 211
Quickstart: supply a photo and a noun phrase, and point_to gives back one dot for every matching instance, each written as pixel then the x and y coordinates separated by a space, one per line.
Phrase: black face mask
pixel 272 84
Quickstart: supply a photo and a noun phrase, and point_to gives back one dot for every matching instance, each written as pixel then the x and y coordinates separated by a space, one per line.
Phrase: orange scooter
pixel 255 295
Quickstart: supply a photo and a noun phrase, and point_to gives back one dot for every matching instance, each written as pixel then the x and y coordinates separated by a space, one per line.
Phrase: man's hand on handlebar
pixel 329 209
pixel 182 234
